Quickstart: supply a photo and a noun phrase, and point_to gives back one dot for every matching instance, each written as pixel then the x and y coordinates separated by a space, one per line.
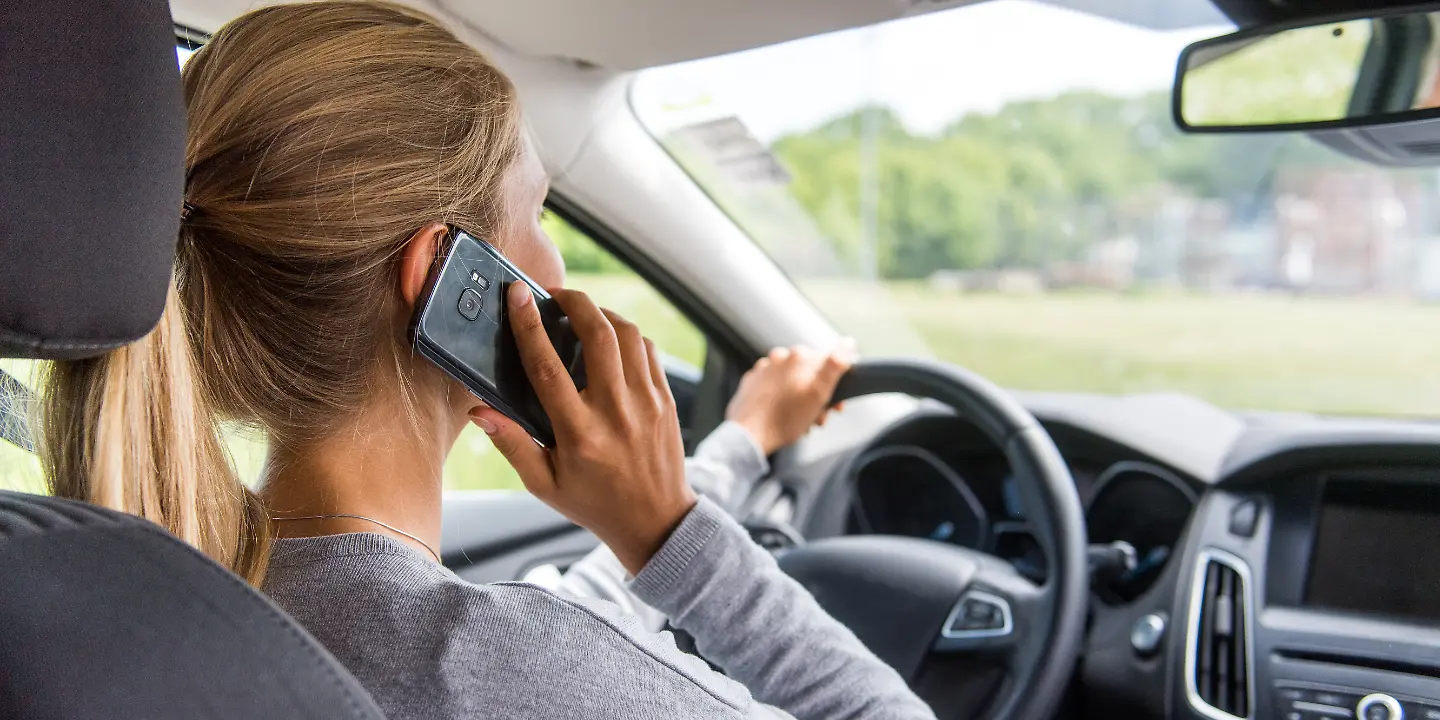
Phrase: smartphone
pixel 461 325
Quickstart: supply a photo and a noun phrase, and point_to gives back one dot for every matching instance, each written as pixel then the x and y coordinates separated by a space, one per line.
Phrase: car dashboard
pixel 1284 566
pixel 935 476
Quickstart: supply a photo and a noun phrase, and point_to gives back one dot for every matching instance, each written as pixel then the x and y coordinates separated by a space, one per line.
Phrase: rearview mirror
pixel 1350 71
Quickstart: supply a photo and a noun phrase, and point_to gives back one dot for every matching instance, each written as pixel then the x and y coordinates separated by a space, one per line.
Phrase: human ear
pixel 415 260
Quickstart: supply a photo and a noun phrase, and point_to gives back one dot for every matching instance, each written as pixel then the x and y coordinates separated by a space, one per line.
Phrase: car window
pixel 1001 186
pixel 612 284
pixel 19 469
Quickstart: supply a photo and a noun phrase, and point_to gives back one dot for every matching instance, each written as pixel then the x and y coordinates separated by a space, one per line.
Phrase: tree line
pixel 1034 182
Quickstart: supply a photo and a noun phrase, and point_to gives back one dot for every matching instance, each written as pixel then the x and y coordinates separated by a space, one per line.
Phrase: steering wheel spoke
pixel 980 620
pixel 993 613
pixel 920 605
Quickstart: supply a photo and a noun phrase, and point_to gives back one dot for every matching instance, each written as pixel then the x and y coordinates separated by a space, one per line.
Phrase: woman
pixel 329 146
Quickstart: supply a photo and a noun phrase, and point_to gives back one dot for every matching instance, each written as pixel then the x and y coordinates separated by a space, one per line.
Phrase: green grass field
pixel 1350 356
pixel 1360 356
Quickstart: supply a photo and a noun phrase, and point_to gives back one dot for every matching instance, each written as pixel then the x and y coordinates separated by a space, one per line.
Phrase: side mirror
pixel 1368 69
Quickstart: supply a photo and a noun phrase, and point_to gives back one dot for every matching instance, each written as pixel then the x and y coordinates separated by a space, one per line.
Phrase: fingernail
pixel 485 424
pixel 520 294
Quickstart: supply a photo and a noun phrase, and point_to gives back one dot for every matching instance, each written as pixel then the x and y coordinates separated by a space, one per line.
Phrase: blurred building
pixel 1345 230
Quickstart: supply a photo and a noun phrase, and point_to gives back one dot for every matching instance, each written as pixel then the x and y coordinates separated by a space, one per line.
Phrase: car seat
pixel 102 614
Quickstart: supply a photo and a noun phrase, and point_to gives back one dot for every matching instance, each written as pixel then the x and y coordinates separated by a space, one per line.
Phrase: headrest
pixel 92 154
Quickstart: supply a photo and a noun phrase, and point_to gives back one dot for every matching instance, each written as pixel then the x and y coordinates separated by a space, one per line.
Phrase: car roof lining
pixel 1252 13
pixel 634 34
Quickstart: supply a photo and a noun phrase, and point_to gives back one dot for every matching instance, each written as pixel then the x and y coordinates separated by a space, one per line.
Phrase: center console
pixel 1313 596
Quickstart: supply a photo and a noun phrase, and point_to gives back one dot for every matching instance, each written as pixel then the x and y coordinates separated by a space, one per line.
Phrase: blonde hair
pixel 321 137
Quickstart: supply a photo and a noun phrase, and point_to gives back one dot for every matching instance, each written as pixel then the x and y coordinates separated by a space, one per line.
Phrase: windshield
pixel 1001 186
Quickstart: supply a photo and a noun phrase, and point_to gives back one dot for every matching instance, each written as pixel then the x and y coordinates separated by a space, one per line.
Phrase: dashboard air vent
pixel 1219 673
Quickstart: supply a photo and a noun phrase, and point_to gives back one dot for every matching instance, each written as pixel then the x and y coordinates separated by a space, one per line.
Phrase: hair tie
pixel 186 210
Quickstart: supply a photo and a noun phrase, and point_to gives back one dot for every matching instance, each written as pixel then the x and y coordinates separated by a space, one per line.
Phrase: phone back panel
pixel 461 325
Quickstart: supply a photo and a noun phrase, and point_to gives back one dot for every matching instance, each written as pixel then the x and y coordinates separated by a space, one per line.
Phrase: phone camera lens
pixel 469 304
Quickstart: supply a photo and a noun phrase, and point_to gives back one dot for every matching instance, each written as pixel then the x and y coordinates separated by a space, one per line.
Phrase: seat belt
pixel 14 413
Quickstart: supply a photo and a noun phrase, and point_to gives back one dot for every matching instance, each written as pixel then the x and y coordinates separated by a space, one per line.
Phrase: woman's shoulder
pixel 409 629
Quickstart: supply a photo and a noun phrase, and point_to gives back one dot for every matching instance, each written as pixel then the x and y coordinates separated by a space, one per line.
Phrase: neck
pixel 384 467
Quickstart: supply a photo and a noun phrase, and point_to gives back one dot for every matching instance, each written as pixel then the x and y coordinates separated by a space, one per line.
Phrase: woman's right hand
pixel 618 465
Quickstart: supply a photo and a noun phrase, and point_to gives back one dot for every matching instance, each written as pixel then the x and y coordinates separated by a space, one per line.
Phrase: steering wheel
pixel 938 612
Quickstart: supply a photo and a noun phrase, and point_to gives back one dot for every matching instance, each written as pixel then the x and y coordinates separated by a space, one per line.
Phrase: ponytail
pixel 132 430
pixel 319 137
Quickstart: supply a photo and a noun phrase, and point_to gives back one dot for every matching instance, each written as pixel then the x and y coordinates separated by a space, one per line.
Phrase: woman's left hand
pixel 787 392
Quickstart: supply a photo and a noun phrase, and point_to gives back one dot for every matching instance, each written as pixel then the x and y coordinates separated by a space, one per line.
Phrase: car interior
pixel 1013 554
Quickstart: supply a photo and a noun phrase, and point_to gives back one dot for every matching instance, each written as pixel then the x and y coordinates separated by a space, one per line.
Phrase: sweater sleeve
pixel 724 468
pixel 726 465
pixel 765 630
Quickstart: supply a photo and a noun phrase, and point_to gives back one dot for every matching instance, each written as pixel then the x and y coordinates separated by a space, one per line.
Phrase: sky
pixel 931 69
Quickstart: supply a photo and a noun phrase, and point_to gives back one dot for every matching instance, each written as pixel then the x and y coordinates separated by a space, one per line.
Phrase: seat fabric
pixel 105 615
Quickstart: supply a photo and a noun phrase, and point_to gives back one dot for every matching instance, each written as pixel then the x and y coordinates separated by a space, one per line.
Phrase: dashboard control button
pixel 1244 517
pixel 1145 637
pixel 1303 714
pixel 1316 710
pixel 1308 704
pixel 1379 706
pixel 1285 695
pixel 978 614
pixel 1335 699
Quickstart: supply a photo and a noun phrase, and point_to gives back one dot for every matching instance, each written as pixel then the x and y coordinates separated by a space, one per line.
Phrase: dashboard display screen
pixel 1377 551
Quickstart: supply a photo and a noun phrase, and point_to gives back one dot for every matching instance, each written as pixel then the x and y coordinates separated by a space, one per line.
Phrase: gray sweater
pixel 724 468
pixel 427 644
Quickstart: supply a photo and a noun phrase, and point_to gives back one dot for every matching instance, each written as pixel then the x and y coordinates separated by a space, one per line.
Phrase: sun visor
pixel 92 142
pixel 1410 144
